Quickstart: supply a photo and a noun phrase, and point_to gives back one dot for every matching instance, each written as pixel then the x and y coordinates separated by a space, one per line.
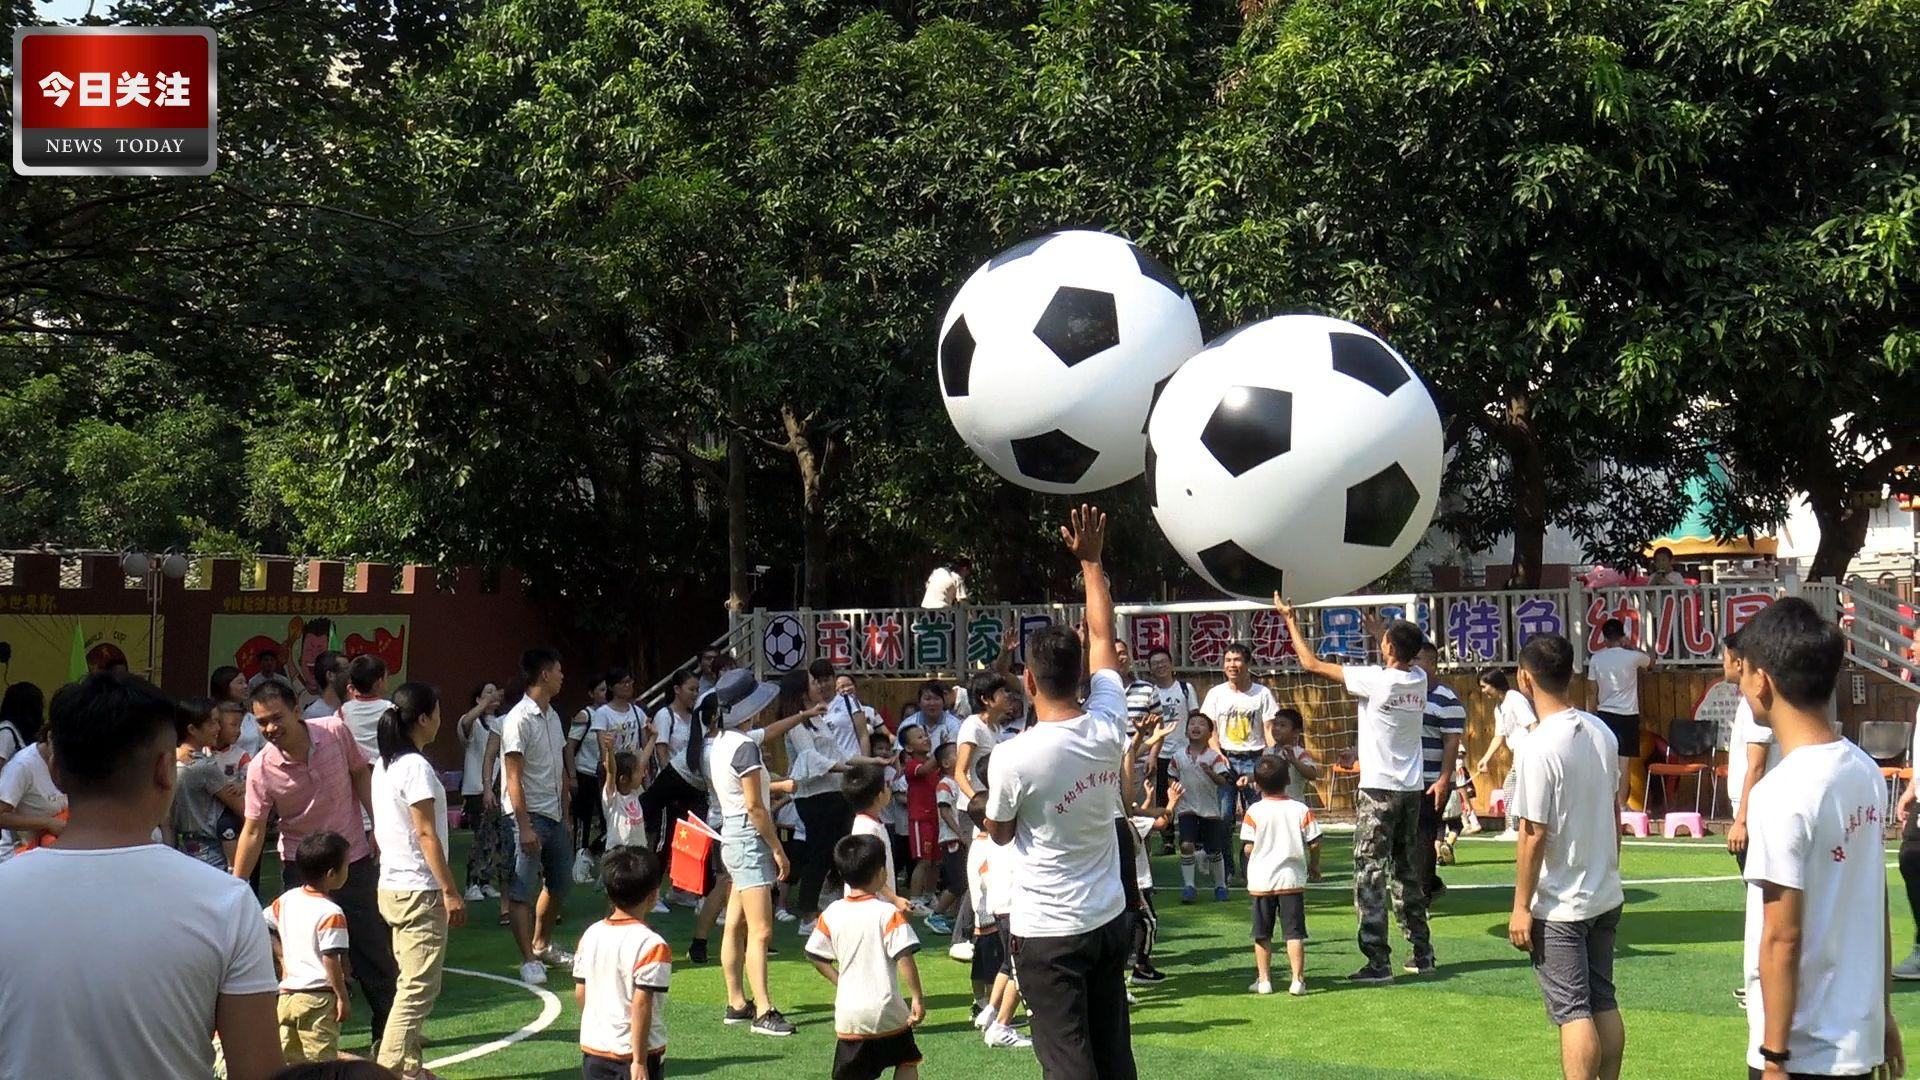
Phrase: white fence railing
pixel 1880 631
pixel 1679 625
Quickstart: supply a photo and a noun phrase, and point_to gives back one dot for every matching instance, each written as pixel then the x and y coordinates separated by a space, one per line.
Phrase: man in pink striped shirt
pixel 316 778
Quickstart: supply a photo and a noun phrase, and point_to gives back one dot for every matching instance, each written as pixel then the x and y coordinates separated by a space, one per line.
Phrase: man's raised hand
pixel 1085 533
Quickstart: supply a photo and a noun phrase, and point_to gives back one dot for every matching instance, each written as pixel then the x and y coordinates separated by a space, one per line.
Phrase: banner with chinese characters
pixel 53 650
pixel 240 639
pixel 1678 625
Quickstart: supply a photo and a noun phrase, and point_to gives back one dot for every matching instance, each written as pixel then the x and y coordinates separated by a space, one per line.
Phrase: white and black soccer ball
pixel 783 643
pixel 1050 356
pixel 1300 455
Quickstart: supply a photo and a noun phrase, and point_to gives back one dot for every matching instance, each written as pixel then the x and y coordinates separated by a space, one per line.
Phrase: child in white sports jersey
pixel 990 873
pixel 865 788
pixel 947 802
pixel 864 946
pixel 310 939
pixel 1278 831
pixel 1202 773
pixel 620 975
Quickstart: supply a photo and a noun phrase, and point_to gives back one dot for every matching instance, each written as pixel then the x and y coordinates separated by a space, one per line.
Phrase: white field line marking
pixel 549 1012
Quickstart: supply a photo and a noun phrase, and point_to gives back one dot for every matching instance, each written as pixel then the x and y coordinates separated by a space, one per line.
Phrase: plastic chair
pixel 1686 739
pixel 1635 822
pixel 1671 825
pixel 456 818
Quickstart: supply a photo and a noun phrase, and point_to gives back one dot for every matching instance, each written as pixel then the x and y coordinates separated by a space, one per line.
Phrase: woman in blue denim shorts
pixel 750 851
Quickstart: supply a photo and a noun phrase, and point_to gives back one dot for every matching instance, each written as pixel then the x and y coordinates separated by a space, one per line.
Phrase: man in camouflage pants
pixel 1393 702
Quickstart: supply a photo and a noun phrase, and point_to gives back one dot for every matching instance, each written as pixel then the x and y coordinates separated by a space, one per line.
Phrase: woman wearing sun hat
pixel 749 848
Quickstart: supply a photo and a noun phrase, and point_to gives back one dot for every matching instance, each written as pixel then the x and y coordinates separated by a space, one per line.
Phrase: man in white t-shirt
pixel 1817 939
pixel 1566 893
pixel 1614 669
pixel 134 952
pixel 1393 705
pixel 1242 712
pixel 1751 752
pixel 535 768
pixel 1053 793
pixel 947 585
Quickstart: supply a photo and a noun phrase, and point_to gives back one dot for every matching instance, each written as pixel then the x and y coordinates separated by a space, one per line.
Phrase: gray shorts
pixel 1574 963
pixel 747 858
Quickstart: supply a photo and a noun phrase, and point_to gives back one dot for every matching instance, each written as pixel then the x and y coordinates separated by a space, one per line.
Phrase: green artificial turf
pixel 1480 1015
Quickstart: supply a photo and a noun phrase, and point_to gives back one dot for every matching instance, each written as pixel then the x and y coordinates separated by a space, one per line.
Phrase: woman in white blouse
pixel 1512 719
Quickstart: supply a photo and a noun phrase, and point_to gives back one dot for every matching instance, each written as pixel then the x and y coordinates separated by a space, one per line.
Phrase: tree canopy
pixel 640 295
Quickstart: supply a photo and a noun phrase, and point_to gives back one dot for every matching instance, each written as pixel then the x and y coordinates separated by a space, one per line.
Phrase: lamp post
pixel 153 571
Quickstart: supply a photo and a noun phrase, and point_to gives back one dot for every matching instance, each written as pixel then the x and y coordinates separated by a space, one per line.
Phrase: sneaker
pixel 1187 893
pixel 1000 1037
pixel 1910 967
pixel 1298 989
pixel 1508 834
pixel 1219 893
pixel 1372 976
pixel 1131 1000
pixel 741 1015
pixel 489 892
pixel 919 910
pixel 660 908
pixel 473 894
pixel 1261 986
pixel 961 951
pixel 806 927
pixel 533 973
pixel 939 923
pixel 697 951
pixel 771 1023
pixel 783 915
pixel 554 956
pixel 984 1017
pixel 1419 967
pixel 1147 973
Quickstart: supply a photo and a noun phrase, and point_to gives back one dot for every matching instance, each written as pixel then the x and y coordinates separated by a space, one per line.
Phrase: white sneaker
pixel 962 951
pixel 783 915
pixel 660 908
pixel 1261 986
pixel 489 892
pixel 1001 1037
pixel 1509 834
pixel 1131 1000
pixel 554 956
pixel 533 973
pixel 985 1019
pixel 1910 967
pixel 806 928
pixel 1298 989
pixel 474 895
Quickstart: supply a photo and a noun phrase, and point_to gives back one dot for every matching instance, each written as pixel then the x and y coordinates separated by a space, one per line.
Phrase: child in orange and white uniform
pixel 620 974
pixel 864 946
pixel 310 937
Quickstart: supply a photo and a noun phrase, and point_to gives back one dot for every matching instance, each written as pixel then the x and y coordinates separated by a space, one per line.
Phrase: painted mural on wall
pixel 52 650
pixel 298 639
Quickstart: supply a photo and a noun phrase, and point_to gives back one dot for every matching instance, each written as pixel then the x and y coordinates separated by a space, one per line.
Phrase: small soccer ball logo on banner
pixel 784 643
pixel 114 101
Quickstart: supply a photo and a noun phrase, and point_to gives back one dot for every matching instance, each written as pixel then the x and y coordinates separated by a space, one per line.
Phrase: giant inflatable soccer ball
pixel 1050 356
pixel 1299 455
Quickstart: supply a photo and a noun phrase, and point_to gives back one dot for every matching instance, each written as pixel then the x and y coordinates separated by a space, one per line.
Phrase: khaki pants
pixel 419 924
pixel 309 1027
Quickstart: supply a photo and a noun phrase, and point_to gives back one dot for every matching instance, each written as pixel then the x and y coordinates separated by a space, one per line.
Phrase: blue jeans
pixel 748 859
pixel 1235 800
pixel 554 859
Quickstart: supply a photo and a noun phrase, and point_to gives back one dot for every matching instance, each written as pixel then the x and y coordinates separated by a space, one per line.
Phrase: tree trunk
pixel 817 458
pixel 1843 521
pixel 737 578
pixel 1529 480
